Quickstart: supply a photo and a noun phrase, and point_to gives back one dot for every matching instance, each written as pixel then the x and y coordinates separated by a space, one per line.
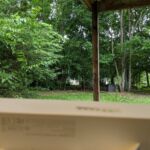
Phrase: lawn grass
pixel 129 98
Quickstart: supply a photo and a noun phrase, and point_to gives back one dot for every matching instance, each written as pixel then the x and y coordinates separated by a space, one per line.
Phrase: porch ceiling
pixel 105 5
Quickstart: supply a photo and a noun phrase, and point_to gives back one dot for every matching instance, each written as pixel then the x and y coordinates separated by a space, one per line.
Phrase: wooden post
pixel 95 41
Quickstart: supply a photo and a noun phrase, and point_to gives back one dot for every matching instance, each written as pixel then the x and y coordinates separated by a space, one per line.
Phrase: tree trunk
pixel 115 63
pixel 147 78
pixel 132 28
pixel 122 50
pixel 130 55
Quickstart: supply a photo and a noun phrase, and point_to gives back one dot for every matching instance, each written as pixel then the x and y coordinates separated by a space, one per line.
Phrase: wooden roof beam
pixel 106 5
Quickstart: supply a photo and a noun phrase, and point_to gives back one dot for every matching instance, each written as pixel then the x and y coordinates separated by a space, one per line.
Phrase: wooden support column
pixel 95 41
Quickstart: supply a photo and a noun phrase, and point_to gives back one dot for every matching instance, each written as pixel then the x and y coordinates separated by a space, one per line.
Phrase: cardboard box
pixel 62 125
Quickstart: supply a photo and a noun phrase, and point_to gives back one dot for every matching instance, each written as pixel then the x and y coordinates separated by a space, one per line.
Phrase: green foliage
pixel 43 43
pixel 29 49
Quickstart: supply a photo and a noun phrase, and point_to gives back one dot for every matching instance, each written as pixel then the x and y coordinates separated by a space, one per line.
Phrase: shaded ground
pixel 87 96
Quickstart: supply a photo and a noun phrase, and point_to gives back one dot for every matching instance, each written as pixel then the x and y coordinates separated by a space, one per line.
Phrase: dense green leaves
pixel 29 48
pixel 45 43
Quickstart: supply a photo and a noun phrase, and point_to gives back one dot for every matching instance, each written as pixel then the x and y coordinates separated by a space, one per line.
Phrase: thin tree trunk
pixel 132 29
pixel 130 55
pixel 115 63
pixel 122 50
pixel 147 78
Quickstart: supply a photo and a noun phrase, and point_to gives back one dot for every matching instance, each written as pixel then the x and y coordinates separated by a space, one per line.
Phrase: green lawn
pixel 87 96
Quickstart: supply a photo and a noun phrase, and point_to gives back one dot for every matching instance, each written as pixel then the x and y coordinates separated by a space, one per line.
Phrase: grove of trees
pixel 44 43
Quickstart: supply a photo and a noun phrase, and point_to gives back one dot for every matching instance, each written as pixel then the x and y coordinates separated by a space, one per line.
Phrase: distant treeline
pixel 47 43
